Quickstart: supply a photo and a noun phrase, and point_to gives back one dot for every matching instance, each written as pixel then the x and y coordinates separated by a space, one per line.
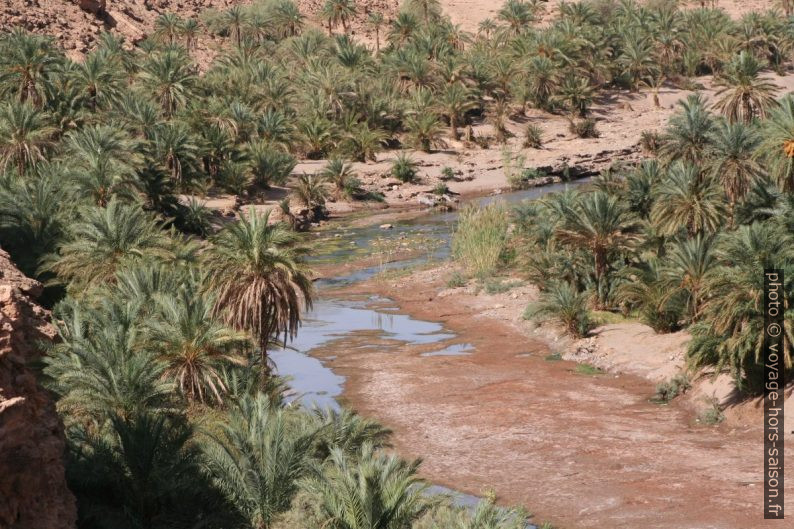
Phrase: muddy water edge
pixel 494 414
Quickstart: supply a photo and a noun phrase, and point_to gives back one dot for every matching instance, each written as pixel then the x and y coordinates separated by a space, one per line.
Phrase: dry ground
pixel 581 451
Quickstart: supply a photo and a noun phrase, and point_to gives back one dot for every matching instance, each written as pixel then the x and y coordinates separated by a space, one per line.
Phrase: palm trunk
pixel 453 127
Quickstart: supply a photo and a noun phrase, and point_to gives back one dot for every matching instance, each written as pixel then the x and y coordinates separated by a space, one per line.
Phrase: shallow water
pixel 313 382
pixel 434 229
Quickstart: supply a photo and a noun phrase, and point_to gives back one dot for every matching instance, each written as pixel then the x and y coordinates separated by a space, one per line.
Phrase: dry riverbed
pixel 581 450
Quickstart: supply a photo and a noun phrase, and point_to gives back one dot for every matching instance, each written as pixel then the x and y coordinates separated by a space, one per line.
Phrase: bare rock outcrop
pixel 33 491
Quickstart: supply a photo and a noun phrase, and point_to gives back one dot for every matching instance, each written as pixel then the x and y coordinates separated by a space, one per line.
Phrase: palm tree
pixel 731 160
pixel 655 81
pixel 141 471
pixel 685 199
pixel 189 30
pixel 637 61
pixel 542 80
pixel 777 143
pixel 100 78
pixel 259 277
pixel 454 101
pixel 731 334
pixel 646 291
pixel 347 431
pixel 232 22
pixel 173 146
pixel 363 143
pixel 270 166
pixel 600 225
pixel 689 265
pixel 403 28
pixel 25 135
pixel 193 346
pixel 424 131
pixel 339 12
pixel 688 131
pixel 517 14
pixel 640 187
pixel 342 176
pixel 563 304
pixel 170 79
pixel 311 191
pixel 576 93
pixel 99 369
pixel 287 17
pixel 25 64
pixel 167 27
pixel 370 491
pixel 428 9
pixel 276 129
pixel 743 94
pixel 376 21
pixel 104 239
pixel 257 459
pixel 34 214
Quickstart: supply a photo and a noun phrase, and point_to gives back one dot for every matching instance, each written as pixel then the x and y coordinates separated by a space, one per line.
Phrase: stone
pixel 95 7
pixel 33 491
pixel 386 226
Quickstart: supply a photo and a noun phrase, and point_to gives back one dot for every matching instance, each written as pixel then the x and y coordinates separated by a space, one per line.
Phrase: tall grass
pixel 480 238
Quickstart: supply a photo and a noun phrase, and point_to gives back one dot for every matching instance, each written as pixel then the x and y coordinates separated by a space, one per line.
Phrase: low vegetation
pixel 480 238
pixel 678 239
pixel 166 312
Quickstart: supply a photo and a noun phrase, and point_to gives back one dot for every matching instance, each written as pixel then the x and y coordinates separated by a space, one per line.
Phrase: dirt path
pixel 581 451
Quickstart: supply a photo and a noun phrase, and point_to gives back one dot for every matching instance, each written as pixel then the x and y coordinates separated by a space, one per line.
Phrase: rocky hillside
pixel 33 492
pixel 76 24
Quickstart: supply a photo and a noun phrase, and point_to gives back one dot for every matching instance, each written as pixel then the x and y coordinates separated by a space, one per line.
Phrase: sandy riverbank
pixel 621 117
pixel 582 451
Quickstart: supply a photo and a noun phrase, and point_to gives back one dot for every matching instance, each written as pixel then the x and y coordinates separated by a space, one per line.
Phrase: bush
pixel 587 369
pixel 585 128
pixel 533 138
pixel 457 280
pixel 404 168
pixel 270 166
pixel 712 414
pixel 525 178
pixel 447 173
pixel 563 304
pixel 480 238
pixel 441 189
pixel 650 141
pixel 667 391
pixel 497 286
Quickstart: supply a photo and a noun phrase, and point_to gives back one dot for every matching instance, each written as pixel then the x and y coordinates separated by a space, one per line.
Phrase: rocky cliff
pixel 33 492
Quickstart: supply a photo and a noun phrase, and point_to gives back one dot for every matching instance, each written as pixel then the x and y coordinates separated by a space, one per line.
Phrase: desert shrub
pixel 670 389
pixel 480 238
pixel 584 128
pixel 404 168
pixel 457 280
pixel 270 166
pixel 562 304
pixel 441 189
pixel 533 137
pixel 447 173
pixel 525 178
pixel 650 141
pixel 587 369
pixel 712 414
pixel 497 286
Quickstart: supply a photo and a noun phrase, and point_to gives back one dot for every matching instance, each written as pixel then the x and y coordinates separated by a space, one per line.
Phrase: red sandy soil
pixel 581 451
